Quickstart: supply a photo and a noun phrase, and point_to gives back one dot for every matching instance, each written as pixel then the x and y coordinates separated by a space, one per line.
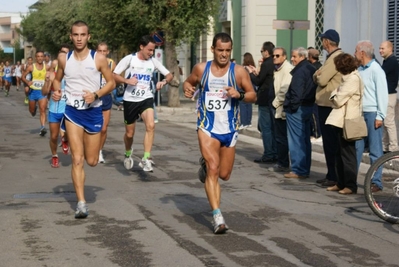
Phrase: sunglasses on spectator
pixel 277 56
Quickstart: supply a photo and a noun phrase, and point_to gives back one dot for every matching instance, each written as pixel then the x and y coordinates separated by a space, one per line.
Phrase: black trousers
pixel 345 162
pixel 330 142
pixel 280 127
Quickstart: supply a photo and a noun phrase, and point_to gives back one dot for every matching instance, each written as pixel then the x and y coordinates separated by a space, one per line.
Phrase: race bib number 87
pixel 217 101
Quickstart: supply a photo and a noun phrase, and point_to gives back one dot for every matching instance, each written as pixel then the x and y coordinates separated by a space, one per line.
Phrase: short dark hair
pixel 268 46
pixel 65 46
pixel 80 23
pixel 145 40
pixel 345 63
pixel 223 37
pixel 39 51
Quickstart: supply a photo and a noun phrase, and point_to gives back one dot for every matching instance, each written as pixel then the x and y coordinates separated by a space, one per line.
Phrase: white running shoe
pixel 82 211
pixel 101 157
pixel 219 225
pixel 128 162
pixel 146 164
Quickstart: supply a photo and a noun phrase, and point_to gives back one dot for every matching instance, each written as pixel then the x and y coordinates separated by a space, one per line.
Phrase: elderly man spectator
pixel 391 68
pixel 298 105
pixel 328 79
pixel 313 57
pixel 282 80
pixel 264 81
pixel 375 102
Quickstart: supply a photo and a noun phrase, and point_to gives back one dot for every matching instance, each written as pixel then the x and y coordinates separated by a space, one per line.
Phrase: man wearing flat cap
pixel 328 79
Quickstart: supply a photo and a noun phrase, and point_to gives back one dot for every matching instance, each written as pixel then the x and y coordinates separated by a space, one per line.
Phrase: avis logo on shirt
pixel 142 77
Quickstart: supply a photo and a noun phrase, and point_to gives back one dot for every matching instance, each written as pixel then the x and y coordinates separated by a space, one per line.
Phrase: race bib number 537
pixel 217 101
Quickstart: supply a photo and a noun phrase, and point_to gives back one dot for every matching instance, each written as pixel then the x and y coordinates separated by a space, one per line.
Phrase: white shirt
pixel 143 71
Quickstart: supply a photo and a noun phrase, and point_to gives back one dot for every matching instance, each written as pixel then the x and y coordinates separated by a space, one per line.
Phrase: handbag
pixel 356 128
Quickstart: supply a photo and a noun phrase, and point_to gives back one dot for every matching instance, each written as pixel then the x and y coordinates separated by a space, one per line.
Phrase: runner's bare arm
pixel 26 71
pixel 244 82
pixel 47 83
pixel 191 82
pixel 102 63
pixel 58 77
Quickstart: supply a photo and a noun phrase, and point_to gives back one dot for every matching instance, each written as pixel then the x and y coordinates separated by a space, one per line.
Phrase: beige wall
pixel 257 28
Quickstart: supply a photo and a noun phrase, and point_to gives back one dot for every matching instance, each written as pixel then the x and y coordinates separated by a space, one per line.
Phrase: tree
pixel 181 21
pixel 49 26
pixel 109 20
pixel 121 23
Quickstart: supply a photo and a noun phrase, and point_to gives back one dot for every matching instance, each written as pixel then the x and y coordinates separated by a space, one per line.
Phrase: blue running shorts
pixel 91 120
pixel 36 95
pixel 227 140
pixel 55 117
pixel 107 102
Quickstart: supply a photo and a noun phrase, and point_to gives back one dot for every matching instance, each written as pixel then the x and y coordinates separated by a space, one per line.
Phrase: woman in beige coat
pixel 346 99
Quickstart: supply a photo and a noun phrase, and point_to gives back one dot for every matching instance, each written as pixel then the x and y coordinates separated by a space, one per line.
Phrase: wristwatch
pixel 95 96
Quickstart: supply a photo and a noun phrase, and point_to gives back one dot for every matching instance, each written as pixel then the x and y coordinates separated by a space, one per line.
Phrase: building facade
pixel 9 22
pixel 252 22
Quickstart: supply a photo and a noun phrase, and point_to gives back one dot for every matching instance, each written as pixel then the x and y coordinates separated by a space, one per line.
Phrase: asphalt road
pixel 163 218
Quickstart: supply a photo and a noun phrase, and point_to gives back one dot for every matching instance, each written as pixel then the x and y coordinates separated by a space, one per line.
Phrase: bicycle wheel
pixel 384 203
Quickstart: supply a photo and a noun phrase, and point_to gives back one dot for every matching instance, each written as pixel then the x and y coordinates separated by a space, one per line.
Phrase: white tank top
pixel 79 76
pixel 18 72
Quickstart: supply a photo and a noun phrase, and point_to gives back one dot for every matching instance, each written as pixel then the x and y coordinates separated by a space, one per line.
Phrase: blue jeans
pixel 298 128
pixel 374 138
pixel 245 113
pixel 265 123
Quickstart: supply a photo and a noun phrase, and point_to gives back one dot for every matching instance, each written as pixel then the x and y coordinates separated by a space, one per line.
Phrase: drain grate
pixel 40 195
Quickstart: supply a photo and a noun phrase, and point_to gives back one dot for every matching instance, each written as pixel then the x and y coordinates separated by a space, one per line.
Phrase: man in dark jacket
pixel 264 80
pixel 298 105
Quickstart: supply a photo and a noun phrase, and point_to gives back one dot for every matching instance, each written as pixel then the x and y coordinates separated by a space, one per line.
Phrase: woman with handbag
pixel 347 106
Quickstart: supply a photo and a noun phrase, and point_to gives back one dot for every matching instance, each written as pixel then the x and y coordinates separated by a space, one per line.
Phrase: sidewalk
pixel 187 107
pixel 186 113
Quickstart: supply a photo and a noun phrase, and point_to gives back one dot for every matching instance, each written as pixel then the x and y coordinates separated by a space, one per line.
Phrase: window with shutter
pixel 319 16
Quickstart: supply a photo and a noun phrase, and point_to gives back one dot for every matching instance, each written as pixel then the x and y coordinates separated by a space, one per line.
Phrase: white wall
pixel 357 20
pixel 257 25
